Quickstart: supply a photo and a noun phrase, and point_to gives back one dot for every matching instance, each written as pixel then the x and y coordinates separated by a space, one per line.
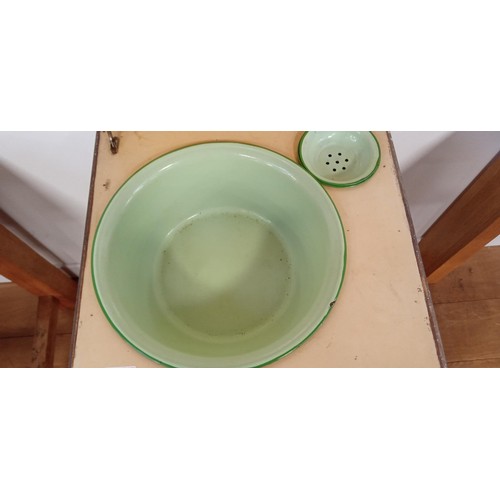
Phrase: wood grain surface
pixel 16 352
pixel 18 323
pixel 44 341
pixel 467 305
pixel 18 309
pixel 477 279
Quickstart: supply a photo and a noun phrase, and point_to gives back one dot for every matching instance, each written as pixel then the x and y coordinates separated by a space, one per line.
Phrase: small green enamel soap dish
pixel 340 159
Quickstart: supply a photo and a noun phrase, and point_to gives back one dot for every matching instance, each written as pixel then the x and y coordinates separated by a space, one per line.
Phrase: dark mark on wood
pixel 107 184
pixel 331 303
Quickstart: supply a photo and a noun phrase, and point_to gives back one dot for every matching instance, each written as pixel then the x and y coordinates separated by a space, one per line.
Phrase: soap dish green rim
pixel 322 180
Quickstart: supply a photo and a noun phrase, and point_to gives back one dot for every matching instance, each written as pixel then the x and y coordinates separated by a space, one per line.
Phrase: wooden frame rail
pixel 466 226
pixel 25 267
pixel 22 265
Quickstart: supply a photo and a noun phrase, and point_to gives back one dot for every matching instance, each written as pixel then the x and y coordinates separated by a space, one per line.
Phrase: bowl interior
pixel 340 158
pixel 219 254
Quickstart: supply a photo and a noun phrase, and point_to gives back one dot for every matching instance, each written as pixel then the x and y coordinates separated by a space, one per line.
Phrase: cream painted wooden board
pixel 380 318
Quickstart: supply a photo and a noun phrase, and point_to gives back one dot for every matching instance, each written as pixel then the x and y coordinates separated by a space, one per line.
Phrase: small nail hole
pixel 328 163
pixel 343 168
pixel 337 162
pixel 346 159
pixel 340 154
pixel 329 156
pixel 334 169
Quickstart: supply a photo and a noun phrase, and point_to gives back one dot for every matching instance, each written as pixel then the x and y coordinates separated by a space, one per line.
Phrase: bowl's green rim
pixel 340 184
pixel 161 362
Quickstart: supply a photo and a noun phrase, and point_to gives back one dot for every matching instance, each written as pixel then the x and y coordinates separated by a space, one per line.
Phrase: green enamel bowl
pixel 340 159
pixel 218 255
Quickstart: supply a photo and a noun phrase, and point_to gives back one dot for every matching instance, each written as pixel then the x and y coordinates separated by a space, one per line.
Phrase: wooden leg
pixel 468 224
pixel 45 333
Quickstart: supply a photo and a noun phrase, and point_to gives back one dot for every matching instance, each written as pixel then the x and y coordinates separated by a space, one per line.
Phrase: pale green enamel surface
pixel 340 158
pixel 219 254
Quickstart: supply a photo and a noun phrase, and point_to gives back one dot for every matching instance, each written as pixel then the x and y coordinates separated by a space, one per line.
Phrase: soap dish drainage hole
pixel 337 162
